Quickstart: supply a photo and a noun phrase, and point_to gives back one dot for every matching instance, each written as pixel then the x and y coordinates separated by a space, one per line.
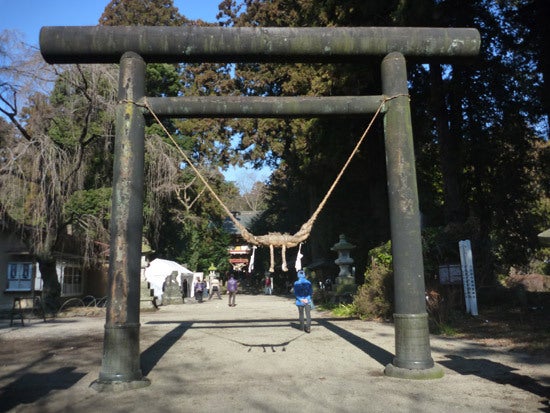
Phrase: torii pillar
pixel 133 46
pixel 120 369
pixel 412 341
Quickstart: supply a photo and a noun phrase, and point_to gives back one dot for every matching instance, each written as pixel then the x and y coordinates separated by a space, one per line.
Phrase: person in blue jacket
pixel 303 292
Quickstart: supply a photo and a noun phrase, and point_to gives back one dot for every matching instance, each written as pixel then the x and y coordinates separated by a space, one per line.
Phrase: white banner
pixel 251 263
pixel 468 279
pixel 299 256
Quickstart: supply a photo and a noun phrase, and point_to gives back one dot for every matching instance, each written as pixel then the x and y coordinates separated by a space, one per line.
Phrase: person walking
pixel 199 289
pixel 303 292
pixel 232 287
pixel 214 288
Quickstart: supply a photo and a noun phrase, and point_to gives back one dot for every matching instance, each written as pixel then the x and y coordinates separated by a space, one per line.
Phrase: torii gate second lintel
pixel 133 46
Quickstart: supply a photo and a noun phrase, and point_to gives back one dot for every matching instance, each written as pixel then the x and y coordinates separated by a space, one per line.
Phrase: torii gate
pixel 135 46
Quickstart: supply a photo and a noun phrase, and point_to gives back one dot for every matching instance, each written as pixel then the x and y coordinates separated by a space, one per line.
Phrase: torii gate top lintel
pixel 193 44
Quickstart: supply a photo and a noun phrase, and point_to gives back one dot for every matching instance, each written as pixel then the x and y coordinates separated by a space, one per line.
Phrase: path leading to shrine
pixel 251 358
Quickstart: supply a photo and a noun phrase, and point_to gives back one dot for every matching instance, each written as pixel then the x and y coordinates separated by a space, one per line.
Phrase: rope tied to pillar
pixel 275 239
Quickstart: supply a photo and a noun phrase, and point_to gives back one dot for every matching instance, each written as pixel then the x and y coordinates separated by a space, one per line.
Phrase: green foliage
pixel 344 310
pixel 445 330
pixel 540 262
pixel 162 80
pixel 146 13
pixel 374 299
pixel 196 241
pixel 96 202
pixel 382 255
pixel 88 212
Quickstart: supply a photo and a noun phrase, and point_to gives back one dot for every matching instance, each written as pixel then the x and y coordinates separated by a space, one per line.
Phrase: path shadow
pixel 151 356
pixel 237 322
pixel 496 372
pixel 231 323
pixel 382 356
pixel 31 387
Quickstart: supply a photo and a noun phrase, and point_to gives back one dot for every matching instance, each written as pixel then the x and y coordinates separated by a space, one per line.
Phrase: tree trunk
pixel 448 149
pixel 51 290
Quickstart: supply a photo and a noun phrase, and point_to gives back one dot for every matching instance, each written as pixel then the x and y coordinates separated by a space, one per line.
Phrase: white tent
pixel 159 269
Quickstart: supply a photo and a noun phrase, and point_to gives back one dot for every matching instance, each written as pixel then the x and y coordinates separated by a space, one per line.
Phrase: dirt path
pixel 249 358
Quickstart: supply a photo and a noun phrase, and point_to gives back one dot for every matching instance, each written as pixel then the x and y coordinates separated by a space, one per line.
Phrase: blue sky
pixel 28 16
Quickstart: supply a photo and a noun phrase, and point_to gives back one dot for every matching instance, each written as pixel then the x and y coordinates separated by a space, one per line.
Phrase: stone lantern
pixel 212 271
pixel 344 261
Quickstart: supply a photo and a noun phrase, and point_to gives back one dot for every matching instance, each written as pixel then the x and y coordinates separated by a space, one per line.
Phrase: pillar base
pixel 412 342
pixel 120 369
pixel 435 372
pixel 119 386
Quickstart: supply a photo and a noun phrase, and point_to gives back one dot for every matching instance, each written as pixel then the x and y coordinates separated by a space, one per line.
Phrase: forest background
pixel 480 135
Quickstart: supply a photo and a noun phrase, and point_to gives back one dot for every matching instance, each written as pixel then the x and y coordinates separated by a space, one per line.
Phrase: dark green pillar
pixel 412 342
pixel 120 369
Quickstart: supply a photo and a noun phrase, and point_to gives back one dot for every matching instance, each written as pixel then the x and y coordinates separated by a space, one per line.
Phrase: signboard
pixel 450 274
pixel 20 276
pixel 466 260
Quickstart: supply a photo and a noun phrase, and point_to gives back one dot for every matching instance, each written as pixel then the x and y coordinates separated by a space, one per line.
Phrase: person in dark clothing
pixel 232 286
pixel 199 289
pixel 267 285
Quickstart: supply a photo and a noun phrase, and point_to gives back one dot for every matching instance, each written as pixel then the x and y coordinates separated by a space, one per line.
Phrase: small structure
pixel 20 274
pixel 212 271
pixel 159 270
pixel 240 253
pixel 344 261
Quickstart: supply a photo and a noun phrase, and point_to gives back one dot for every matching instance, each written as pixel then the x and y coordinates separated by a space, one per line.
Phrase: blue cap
pixel 301 274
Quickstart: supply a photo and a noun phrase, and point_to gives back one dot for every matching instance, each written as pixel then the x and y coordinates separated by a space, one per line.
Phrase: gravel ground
pixel 251 358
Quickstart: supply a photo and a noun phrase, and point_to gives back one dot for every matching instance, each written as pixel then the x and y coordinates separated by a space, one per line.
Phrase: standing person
pixel 267 285
pixel 232 287
pixel 214 288
pixel 303 292
pixel 199 288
